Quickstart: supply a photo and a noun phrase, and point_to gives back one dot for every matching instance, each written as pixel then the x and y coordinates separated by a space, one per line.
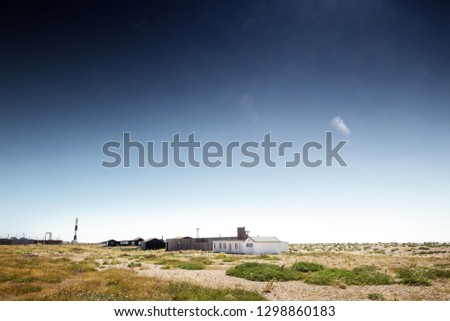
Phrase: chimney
pixel 241 234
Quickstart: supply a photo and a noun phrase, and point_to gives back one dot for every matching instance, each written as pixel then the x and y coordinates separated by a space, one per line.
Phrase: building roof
pixel 264 239
pixel 180 238
pixel 152 238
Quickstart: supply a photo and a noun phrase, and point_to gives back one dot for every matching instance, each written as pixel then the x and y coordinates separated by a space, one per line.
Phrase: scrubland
pixel 351 271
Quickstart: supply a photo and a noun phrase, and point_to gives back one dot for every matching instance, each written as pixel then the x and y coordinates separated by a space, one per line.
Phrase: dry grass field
pixel 381 271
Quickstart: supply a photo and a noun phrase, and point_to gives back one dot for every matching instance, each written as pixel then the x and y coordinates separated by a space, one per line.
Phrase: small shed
pixel 111 243
pixel 125 243
pixel 137 241
pixel 179 243
pixel 153 244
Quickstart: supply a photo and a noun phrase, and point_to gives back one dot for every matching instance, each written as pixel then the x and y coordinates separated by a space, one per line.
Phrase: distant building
pixel 153 244
pixel 22 241
pixel 26 241
pixel 252 245
pixel 111 243
pixel 134 242
pixel 201 243
pixel 137 241
pixel 50 242
pixel 5 242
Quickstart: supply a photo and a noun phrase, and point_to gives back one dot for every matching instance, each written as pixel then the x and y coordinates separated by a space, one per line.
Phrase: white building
pixel 251 245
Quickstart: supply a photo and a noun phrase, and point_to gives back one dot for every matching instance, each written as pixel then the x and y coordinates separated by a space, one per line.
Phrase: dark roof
pixel 180 238
pixel 153 238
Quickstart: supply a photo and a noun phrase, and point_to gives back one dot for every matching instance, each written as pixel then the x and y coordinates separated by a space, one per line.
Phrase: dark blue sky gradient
pixel 75 74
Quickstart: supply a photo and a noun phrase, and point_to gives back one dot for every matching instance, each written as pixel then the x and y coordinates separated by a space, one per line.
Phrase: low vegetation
pixel 307 267
pixel 35 277
pixel 366 275
pixel 394 271
pixel 311 273
pixel 194 263
pixel 263 272
pixel 422 275
pixel 127 285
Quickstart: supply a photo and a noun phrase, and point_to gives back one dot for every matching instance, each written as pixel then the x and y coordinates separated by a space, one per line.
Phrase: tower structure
pixel 75 234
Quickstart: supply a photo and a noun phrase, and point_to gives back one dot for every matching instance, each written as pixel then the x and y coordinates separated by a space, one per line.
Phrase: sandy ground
pixel 297 290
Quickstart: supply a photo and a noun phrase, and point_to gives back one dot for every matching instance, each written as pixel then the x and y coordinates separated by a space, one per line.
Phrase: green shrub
pixel 441 273
pixel 306 267
pixel 263 272
pixel 328 277
pixel 312 274
pixel 422 275
pixel 366 275
pixel 414 276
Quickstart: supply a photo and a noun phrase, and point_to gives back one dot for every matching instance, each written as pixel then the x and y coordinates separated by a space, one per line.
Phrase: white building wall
pixel 284 247
pixel 249 247
pixel 266 248
pixel 270 247
pixel 236 247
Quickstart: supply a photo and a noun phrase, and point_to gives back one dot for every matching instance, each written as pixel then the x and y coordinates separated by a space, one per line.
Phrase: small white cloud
pixel 340 126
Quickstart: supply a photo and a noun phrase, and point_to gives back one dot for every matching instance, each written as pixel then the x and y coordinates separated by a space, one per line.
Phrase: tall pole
pixel 75 234
pixel 198 234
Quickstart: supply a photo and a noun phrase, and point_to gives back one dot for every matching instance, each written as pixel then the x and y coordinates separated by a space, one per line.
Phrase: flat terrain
pixel 381 271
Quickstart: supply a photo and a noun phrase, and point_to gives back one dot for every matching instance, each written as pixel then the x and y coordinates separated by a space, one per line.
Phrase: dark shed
pixel 153 244
pixel 111 243
pixel 137 241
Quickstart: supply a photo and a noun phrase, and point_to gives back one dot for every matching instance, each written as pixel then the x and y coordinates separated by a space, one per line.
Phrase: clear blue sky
pixel 78 74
